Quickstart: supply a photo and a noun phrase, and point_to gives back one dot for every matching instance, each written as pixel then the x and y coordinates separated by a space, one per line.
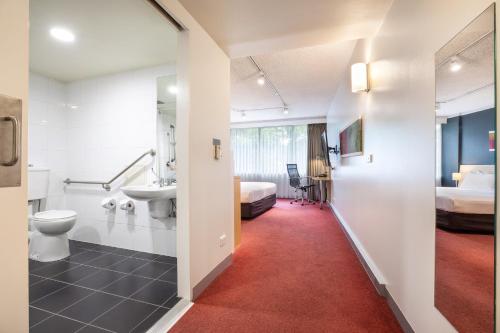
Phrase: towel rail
pixel 107 185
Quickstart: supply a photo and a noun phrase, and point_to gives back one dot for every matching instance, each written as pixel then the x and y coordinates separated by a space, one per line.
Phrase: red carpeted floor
pixel 294 272
pixel 465 280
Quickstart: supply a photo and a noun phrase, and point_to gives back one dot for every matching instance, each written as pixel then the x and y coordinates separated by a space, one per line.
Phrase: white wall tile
pixel 115 123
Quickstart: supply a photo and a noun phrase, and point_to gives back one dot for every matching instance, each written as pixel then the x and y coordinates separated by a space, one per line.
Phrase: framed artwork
pixel 351 139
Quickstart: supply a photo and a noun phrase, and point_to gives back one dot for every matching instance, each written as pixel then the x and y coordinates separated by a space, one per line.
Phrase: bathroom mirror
pixel 465 176
pixel 166 106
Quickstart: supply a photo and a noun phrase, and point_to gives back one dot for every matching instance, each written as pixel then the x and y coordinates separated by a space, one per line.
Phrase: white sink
pixel 157 197
pixel 149 192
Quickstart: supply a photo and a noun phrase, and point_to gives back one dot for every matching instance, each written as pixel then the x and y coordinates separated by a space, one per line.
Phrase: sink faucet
pixel 161 181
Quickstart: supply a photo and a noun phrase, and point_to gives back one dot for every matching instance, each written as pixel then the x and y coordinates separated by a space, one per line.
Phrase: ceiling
pixel 471 88
pixel 243 27
pixel 306 78
pixel 121 35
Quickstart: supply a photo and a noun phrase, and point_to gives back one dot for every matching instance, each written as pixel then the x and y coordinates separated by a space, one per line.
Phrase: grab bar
pixel 107 185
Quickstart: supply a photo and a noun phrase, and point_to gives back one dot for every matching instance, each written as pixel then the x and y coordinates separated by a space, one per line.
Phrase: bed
pixel 256 198
pixel 470 207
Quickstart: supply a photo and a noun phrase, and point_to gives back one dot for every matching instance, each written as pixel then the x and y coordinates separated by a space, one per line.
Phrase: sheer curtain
pixel 261 154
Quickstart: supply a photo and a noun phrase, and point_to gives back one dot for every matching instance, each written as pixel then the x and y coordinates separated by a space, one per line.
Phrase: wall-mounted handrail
pixel 107 185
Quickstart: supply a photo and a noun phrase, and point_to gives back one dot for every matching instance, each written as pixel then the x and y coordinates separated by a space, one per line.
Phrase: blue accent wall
pixel 474 137
pixel 465 141
pixel 449 146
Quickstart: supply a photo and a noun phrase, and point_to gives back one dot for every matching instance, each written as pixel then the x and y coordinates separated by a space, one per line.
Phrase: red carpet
pixel 294 272
pixel 465 280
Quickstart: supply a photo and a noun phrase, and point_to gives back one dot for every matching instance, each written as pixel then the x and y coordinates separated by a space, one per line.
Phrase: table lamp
pixel 456 176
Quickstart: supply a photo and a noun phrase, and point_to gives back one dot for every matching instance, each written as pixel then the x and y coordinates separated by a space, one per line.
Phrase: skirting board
pixel 205 282
pixel 372 270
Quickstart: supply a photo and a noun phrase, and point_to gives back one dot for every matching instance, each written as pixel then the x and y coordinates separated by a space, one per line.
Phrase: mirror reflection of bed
pixel 465 177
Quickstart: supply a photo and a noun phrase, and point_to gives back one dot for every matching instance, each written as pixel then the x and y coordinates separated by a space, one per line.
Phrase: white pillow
pixel 478 181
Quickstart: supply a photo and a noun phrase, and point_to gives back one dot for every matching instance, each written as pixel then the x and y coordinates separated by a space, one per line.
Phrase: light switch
pixel 369 158
pixel 217 149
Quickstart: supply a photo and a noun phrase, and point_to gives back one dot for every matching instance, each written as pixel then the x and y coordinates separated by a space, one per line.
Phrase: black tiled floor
pixel 35 279
pixel 127 286
pixel 170 275
pixel 44 288
pixel 157 292
pixel 76 274
pixel 65 296
pixel 92 329
pixel 91 307
pixel 172 302
pixel 37 316
pixel 55 269
pixel 149 321
pixel 62 298
pixel 152 269
pixel 117 321
pixel 85 257
pixel 167 260
pixel 34 265
pixel 129 265
pixel 124 252
pixel 106 260
pixel 57 324
pixel 100 280
pixel 144 255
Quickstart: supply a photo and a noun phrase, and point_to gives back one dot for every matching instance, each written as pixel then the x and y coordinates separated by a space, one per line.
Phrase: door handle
pixel 15 141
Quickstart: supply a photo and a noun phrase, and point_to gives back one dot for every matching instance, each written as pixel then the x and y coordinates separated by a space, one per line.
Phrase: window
pixel 261 154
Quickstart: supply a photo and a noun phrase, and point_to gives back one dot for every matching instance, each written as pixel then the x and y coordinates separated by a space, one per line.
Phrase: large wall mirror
pixel 465 177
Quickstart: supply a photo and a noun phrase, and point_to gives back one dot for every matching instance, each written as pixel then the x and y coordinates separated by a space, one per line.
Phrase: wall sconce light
pixel 359 77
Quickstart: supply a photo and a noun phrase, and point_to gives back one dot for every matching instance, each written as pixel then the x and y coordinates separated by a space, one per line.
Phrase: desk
pixel 322 186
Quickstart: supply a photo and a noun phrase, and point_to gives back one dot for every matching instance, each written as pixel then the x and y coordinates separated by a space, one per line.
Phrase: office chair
pixel 298 183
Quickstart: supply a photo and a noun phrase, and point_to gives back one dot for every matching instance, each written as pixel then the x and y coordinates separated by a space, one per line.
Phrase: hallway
pixel 295 271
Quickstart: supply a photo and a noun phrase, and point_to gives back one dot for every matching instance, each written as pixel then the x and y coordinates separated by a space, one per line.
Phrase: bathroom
pixel 102 166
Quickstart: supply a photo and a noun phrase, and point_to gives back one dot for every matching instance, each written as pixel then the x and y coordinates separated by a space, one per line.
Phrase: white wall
pixel 13 210
pixel 389 204
pixel 47 133
pixel 204 186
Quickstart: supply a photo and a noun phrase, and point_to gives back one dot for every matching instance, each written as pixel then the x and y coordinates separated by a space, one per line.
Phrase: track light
pixel 455 65
pixel 285 110
pixel 261 80
pixel 243 114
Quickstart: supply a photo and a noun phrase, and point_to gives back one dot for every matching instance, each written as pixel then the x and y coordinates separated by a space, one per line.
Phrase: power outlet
pixel 222 240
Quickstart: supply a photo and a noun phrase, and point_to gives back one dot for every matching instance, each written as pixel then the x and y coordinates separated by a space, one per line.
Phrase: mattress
pixel 254 191
pixel 467 201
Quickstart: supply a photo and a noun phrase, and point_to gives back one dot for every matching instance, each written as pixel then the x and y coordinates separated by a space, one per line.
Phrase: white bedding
pixel 464 200
pixel 253 191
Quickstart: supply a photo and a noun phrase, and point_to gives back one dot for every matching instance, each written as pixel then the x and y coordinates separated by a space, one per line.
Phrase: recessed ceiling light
pixel 62 34
pixel 173 90
pixel 73 106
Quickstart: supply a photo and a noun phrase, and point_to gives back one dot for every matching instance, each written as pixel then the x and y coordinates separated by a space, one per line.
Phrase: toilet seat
pixel 50 241
pixel 54 216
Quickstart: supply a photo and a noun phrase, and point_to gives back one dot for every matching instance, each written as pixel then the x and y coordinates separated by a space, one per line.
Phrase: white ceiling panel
pixel 307 79
pixel 111 36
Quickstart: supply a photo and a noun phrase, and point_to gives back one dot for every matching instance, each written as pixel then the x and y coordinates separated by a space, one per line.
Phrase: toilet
pixel 49 240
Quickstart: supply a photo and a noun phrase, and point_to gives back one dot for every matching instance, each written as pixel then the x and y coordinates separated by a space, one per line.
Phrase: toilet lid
pixel 51 215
